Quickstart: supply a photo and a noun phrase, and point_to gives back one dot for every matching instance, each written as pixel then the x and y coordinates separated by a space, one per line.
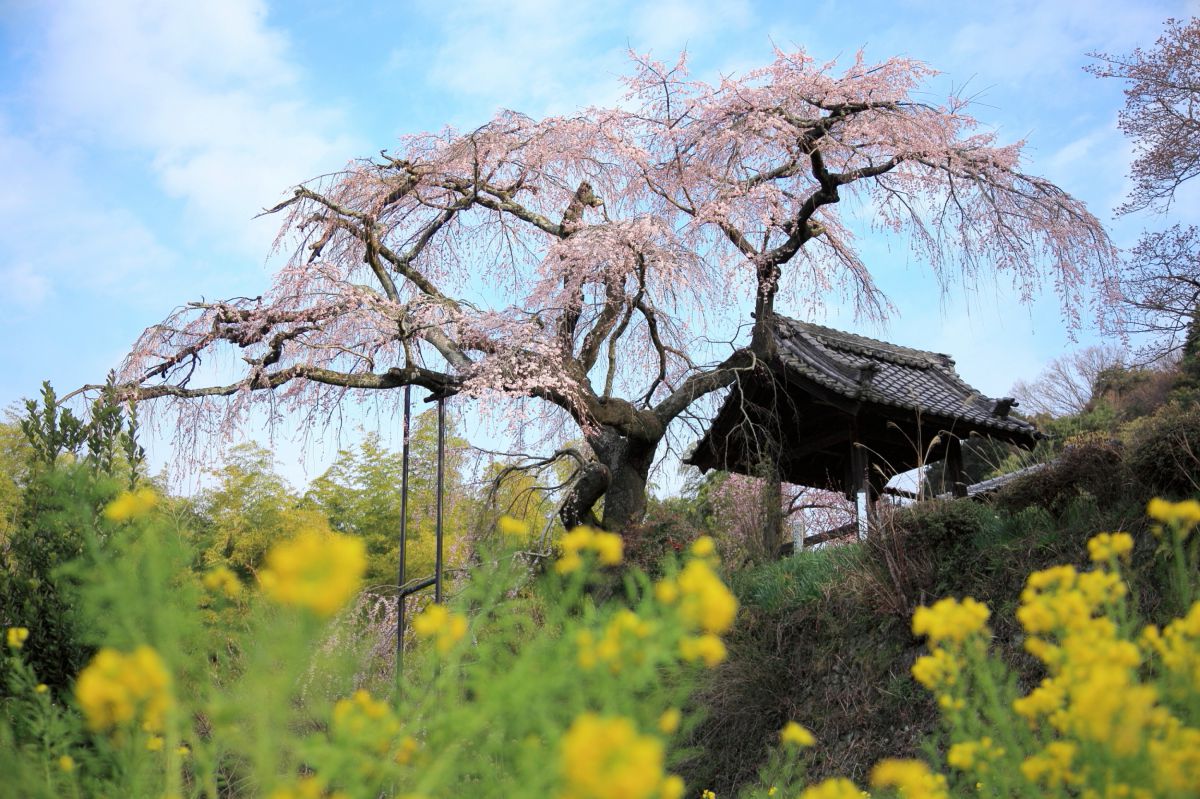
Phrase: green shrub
pixel 1164 451
pixel 1090 465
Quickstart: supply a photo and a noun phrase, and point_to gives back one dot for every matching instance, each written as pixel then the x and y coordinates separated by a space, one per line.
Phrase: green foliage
pixel 1164 451
pixel 249 508
pixel 270 707
pixel 1090 465
pixel 57 527
pixel 106 441
pixel 75 466
pixel 15 456
pixel 773 587
pixel 360 495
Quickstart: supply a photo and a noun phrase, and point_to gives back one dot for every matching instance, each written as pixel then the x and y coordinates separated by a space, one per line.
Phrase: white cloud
pixel 61 235
pixel 23 287
pixel 208 90
pixel 555 56
pixel 672 25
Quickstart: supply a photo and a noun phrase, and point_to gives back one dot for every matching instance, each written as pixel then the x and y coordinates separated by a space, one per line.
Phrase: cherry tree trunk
pixel 619 475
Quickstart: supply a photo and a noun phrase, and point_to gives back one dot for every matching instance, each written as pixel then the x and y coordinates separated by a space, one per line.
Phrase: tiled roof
pixel 873 371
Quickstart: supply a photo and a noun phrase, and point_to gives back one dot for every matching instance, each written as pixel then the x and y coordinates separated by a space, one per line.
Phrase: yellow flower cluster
pixel 318 571
pixel 441 624
pixel 836 788
pixel 609 549
pixel 1051 768
pixel 706 605
pixel 950 620
pixel 310 787
pixel 1107 547
pixel 621 642
pixel 115 688
pixel 1093 695
pixel 975 756
pixel 912 778
pixel 796 735
pixel 1184 515
pixel 1103 730
pixel 1178 647
pixel 17 636
pixel 512 527
pixel 668 722
pixel 131 505
pixel 606 758
pixel 222 580
pixel 707 648
pixel 949 625
pixel 369 722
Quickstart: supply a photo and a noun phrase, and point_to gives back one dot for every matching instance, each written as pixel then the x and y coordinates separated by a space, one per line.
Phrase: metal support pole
pixel 441 484
pixel 400 597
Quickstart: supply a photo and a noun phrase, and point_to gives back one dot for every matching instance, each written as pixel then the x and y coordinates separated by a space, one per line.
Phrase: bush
pixel 57 528
pixel 585 697
pixel 1090 465
pixel 1164 451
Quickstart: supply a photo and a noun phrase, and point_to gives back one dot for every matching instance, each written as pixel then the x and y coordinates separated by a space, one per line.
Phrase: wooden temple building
pixel 844 412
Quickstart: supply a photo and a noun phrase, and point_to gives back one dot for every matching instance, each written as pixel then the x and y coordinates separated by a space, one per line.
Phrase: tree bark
pixel 619 475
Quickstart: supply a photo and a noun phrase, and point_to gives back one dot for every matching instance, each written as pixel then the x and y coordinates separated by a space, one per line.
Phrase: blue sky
pixel 138 139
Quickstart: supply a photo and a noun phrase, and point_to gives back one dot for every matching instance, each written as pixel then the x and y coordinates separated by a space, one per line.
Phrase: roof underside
pixel 829 389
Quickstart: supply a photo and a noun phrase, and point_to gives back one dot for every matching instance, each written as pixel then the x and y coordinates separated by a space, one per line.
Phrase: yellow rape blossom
pixel 310 787
pixel 672 787
pixel 836 788
pixel 937 670
pixel 912 778
pixel 1052 766
pixel 368 722
pixel 705 603
pixel 1178 647
pixel 1047 698
pixel 131 505
pixel 707 794
pixel 223 580
pixel 1108 547
pixel 708 648
pixel 1184 514
pixel 608 547
pixel 975 756
pixel 115 688
pixel 950 620
pixel 704 547
pixel 41 688
pixel 321 572
pixel 406 750
pixel 796 735
pixel 441 624
pixel 512 527
pixel 620 644
pixel 606 758
pixel 668 722
pixel 17 636
pixel 66 763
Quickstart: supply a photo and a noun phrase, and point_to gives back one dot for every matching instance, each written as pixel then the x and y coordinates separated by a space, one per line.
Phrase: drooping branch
pixel 442 265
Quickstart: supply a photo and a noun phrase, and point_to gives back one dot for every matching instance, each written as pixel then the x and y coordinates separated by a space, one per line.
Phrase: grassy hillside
pixel 825 637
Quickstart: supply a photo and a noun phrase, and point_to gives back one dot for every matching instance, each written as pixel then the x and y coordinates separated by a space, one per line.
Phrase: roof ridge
pixel 861 342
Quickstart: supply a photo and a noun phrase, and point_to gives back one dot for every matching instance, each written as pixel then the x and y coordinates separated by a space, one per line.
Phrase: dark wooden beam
pixel 954 466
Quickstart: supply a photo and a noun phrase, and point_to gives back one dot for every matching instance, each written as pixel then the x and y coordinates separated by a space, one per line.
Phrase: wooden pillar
pixel 954 466
pixel 860 473
pixel 772 499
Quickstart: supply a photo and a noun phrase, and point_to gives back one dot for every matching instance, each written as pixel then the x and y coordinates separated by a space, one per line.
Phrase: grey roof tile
pixel 874 371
